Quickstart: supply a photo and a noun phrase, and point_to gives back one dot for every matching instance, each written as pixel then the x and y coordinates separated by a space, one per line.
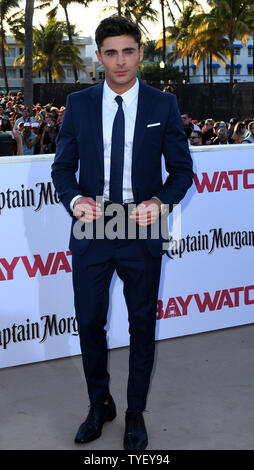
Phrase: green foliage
pixel 51 51
pixel 153 73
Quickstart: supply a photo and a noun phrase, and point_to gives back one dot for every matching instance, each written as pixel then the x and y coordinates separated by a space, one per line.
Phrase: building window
pixel 21 73
pixel 237 71
pixel 228 71
pixel 11 52
pixel 214 69
pixel 69 73
pixel 250 52
pixel 194 71
pixel 237 51
pixel 21 50
pixel 250 70
pixel 11 73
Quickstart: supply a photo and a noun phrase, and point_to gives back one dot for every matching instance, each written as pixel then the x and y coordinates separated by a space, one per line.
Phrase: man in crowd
pixel 26 118
pixel 196 138
pixel 187 117
pixel 29 139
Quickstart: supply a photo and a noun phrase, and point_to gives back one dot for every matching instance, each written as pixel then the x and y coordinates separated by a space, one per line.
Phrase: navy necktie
pixel 117 155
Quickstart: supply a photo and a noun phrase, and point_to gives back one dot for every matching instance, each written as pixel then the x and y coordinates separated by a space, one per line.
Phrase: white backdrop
pixel 207 282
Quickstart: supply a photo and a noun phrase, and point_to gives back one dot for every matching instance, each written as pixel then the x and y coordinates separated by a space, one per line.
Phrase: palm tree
pixel 204 42
pixel 139 11
pixel 231 19
pixel 64 4
pixel 180 33
pixel 51 52
pixel 5 8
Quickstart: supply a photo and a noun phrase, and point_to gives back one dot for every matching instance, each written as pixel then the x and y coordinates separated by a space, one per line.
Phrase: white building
pixel 243 66
pixel 15 74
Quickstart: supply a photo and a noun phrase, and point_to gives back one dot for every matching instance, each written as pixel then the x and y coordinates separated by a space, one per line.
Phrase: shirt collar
pixel 128 96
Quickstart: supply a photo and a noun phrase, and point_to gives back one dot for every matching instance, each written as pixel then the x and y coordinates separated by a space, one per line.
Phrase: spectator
pixel 6 125
pixel 25 117
pixel 187 117
pixel 250 138
pixel 61 114
pixel 188 128
pixel 29 139
pixel 216 128
pixel 196 138
pixel 239 133
pixel 49 135
pixel 222 136
pixel 54 112
pixel 232 124
pixel 36 130
pixel 207 131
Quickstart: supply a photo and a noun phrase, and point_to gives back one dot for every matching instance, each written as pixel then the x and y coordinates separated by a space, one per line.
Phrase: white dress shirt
pixel 109 109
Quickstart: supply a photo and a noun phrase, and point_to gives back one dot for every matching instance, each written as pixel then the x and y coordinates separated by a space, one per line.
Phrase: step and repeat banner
pixel 207 280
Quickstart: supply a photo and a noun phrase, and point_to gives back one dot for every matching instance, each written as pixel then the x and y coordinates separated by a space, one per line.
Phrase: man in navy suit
pixel 116 133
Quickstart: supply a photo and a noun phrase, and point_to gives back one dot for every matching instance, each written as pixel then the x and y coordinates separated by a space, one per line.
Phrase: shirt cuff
pixel 73 201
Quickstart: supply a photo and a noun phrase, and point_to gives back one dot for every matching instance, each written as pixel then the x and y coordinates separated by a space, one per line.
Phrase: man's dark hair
pixel 116 26
pixel 189 114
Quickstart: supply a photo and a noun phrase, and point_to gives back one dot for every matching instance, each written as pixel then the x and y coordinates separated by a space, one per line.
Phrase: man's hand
pixel 147 212
pixel 87 209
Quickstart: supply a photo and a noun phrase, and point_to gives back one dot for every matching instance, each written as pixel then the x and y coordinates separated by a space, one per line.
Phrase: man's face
pixel 120 56
pixel 25 114
pixel 186 119
pixel 195 139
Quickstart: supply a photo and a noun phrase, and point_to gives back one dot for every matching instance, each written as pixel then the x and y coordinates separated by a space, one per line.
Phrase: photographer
pixel 49 135
pixel 29 139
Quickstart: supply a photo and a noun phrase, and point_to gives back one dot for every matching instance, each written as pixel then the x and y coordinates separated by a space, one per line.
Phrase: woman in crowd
pixel 239 133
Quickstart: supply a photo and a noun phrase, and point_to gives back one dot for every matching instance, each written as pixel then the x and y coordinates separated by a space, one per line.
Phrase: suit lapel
pixel 144 109
pixel 96 116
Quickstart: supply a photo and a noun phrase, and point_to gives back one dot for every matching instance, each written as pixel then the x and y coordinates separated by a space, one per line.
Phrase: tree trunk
pixel 188 68
pixel 3 59
pixel 50 75
pixel 231 64
pixel 253 56
pixel 204 73
pixel 163 32
pixel 211 69
pixel 70 40
pixel 119 7
pixel 28 71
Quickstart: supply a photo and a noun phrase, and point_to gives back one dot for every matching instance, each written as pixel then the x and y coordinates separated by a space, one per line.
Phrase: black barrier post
pixel 5 144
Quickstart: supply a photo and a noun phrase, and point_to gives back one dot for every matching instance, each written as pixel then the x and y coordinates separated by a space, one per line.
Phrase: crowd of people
pixel 32 131
pixel 210 132
pixel 35 131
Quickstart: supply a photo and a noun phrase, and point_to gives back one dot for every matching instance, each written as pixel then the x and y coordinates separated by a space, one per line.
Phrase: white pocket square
pixel 153 125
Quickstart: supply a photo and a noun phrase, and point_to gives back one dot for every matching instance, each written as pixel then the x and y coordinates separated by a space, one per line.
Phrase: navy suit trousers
pixel 92 274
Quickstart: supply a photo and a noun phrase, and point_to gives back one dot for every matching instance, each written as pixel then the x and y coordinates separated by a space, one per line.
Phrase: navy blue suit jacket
pixel 80 144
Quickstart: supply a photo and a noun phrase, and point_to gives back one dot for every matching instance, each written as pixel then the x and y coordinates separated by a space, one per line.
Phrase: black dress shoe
pixel 135 436
pixel 97 416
